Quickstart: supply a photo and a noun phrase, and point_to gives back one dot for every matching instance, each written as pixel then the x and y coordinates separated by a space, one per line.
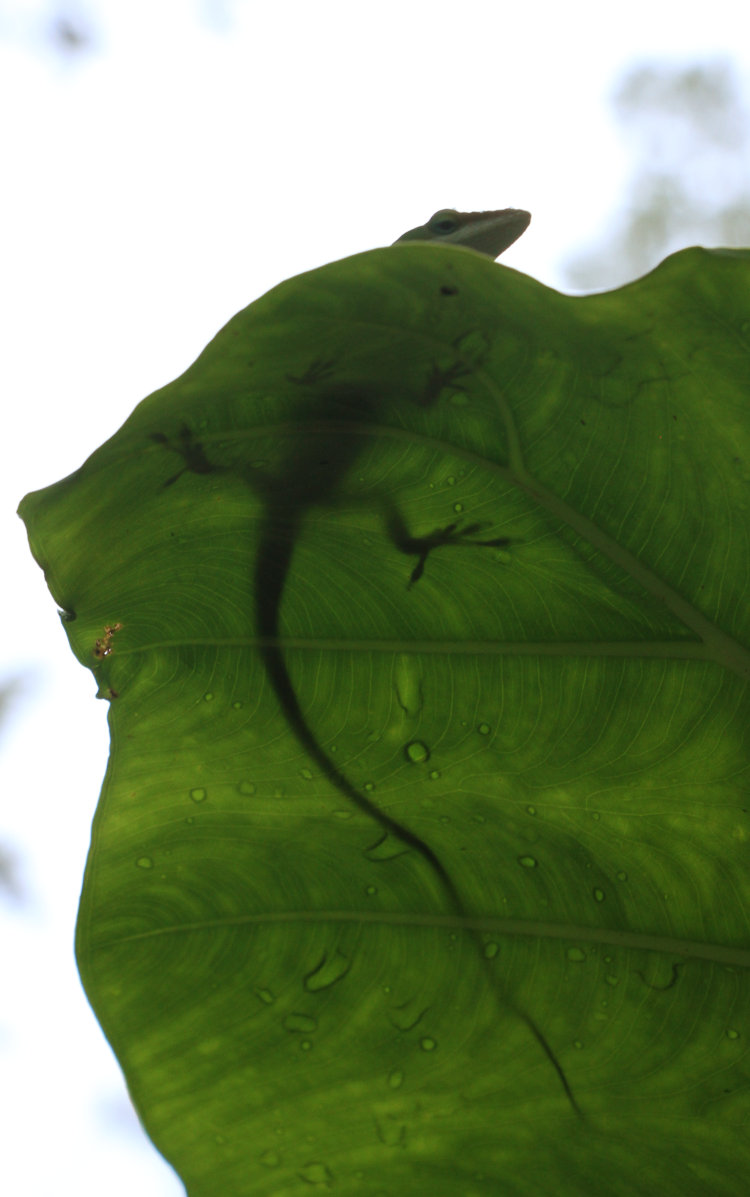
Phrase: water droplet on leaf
pixel 417 752
pixel 300 1022
pixel 407 680
pixel 316 1174
pixel 330 970
pixel 386 848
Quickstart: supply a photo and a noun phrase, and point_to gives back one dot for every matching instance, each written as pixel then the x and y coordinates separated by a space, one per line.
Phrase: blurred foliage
pixel 9 883
pixel 688 130
pixel 69 36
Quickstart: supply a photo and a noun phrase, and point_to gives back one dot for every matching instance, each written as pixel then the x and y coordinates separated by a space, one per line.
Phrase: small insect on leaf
pixel 103 646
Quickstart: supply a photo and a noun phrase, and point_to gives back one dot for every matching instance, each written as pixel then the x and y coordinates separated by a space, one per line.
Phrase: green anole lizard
pixel 489 233
pixel 309 478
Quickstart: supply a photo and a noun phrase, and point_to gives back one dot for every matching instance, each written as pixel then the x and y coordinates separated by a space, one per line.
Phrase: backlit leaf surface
pixel 562 720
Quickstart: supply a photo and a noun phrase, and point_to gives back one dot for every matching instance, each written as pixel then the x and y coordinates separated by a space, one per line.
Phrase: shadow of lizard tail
pixel 271 570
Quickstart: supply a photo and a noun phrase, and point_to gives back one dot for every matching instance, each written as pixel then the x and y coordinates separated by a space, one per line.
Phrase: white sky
pixel 195 156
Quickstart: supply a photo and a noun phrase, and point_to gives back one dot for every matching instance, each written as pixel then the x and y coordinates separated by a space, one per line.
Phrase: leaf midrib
pixel 658 649
pixel 525 928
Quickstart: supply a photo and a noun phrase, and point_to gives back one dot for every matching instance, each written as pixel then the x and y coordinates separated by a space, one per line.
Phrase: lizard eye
pixel 445 226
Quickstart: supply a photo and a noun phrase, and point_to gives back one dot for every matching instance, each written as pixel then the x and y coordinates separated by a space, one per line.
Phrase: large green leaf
pixel 299 994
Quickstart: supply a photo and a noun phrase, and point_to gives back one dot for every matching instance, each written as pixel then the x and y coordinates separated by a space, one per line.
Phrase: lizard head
pixel 487 232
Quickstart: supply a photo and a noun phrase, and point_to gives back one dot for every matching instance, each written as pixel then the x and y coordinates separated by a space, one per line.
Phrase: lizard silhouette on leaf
pixel 309 476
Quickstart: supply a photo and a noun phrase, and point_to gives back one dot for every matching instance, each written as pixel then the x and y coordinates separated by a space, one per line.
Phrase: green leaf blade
pixel 562 719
